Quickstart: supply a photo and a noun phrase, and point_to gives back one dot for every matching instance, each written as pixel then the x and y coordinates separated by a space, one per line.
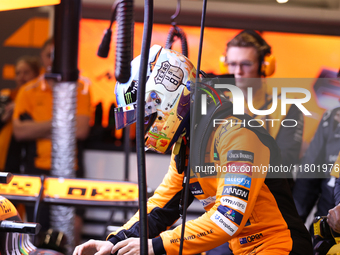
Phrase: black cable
pixel 192 125
pixel 123 14
pixel 126 153
pixel 142 186
pixel 176 32
pixel 124 34
pixel 178 10
pixel 38 201
pixel 104 47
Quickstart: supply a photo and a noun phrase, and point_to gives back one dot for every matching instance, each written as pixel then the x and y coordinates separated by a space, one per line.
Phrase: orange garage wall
pixel 297 55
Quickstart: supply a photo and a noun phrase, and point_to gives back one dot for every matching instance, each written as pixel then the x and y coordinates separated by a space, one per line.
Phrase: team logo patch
pixel 250 239
pixel 240 155
pixel 236 192
pixel 196 188
pixel 238 179
pixel 231 214
pixel 238 167
pixel 234 202
pixel 243 240
pixel 225 224
pixel 207 201
pixel 169 76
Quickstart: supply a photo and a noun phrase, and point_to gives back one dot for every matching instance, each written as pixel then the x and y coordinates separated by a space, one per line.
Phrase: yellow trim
pixel 20 4
pixel 71 189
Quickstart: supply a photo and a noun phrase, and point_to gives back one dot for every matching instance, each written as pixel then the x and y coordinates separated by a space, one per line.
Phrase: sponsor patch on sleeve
pixel 225 224
pixel 239 167
pixel 251 238
pixel 196 188
pixel 208 201
pixel 231 214
pixel 234 203
pixel 238 179
pixel 169 76
pixel 236 191
pixel 243 240
pixel 240 155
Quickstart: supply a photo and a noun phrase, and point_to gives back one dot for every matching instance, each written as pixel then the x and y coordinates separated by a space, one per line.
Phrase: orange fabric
pixel 257 205
pixel 259 100
pixel 234 139
pixel 36 100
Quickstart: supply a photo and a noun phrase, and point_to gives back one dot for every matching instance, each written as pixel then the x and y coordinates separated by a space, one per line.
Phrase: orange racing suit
pixel 255 213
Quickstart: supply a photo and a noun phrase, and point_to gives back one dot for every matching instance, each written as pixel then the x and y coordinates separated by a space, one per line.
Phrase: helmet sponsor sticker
pixel 238 179
pixel 130 95
pixel 236 192
pixel 234 202
pixel 129 107
pixel 169 76
pixel 240 155
pixel 224 224
pixel 231 214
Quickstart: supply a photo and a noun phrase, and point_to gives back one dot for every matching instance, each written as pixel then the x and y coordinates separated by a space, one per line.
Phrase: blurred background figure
pixel 33 115
pixel 32 124
pixel 47 54
pixel 321 192
pixel 311 190
pixel 27 68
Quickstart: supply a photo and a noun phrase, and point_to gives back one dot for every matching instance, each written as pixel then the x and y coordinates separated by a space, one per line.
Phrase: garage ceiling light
pixel 282 1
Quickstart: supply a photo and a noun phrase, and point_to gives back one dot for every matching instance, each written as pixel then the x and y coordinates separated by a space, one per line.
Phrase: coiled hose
pixel 124 40
pixel 123 14
pixel 179 33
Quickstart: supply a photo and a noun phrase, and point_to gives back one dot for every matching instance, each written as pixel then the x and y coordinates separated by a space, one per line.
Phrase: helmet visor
pixel 127 115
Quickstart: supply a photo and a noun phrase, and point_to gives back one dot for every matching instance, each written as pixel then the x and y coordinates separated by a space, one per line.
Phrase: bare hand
pixel 131 246
pixel 93 247
pixel 333 218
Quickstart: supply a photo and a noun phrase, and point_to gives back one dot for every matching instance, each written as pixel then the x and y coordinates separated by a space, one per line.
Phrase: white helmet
pixel 167 97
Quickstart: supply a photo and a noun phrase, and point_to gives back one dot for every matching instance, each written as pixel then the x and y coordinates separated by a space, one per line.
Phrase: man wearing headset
pixel 249 59
pixel 255 213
